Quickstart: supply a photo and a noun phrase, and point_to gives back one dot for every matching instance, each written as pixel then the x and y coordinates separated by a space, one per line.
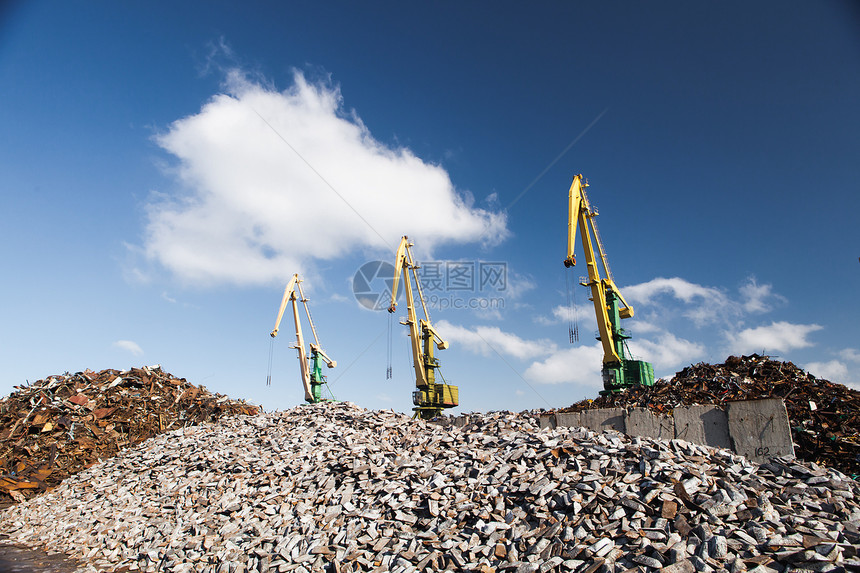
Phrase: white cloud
pixel 582 364
pixel 677 287
pixel 581 317
pixel 577 364
pixel 758 298
pixel 833 370
pixel 662 334
pixel 850 354
pixel 640 326
pixel 705 305
pixel 777 337
pixel 517 285
pixel 485 340
pixel 837 370
pixel 560 314
pixel 702 305
pixel 668 351
pixel 129 346
pixel 276 180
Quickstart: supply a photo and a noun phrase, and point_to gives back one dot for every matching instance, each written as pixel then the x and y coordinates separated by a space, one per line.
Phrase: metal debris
pixel 824 416
pixel 332 487
pixel 60 425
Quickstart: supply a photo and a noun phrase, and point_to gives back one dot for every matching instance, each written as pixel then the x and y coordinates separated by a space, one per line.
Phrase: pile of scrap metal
pixel 824 416
pixel 58 426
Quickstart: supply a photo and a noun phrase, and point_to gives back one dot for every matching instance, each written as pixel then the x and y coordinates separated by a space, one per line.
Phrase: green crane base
pixel 619 377
pixel 430 400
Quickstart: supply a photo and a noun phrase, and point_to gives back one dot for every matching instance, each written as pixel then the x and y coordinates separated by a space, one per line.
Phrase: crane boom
pixel 430 398
pixel 619 372
pixel 311 374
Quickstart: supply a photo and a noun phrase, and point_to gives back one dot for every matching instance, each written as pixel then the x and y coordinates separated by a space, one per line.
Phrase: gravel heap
pixel 332 487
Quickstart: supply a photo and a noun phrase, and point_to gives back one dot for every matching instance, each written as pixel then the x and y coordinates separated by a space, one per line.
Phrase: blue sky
pixel 166 168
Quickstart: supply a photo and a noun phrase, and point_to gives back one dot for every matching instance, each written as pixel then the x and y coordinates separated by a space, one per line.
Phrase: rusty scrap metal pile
pixel 824 417
pixel 58 426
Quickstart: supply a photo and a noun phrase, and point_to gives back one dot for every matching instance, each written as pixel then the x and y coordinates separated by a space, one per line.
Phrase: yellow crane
pixel 312 376
pixel 619 371
pixel 430 398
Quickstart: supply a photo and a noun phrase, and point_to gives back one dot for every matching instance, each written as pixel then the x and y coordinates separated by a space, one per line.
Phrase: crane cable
pixel 388 370
pixel 271 353
pixel 572 319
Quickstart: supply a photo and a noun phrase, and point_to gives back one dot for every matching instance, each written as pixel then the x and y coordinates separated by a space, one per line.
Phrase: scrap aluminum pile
pixel 332 487
pixel 56 427
pixel 824 417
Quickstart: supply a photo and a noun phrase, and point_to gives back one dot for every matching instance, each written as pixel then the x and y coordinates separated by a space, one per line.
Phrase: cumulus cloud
pixel 704 305
pixel 668 351
pixel 487 340
pixel 667 308
pixel 758 298
pixel 641 326
pixel 582 318
pixel 850 354
pixel 679 288
pixel 843 370
pixel 517 285
pixel 777 337
pixel 129 346
pixel 577 364
pixel 582 364
pixel 559 314
pixel 832 370
pixel 275 180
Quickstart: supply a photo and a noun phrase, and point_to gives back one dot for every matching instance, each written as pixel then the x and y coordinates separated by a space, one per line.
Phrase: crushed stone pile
pixel 824 416
pixel 58 426
pixel 332 487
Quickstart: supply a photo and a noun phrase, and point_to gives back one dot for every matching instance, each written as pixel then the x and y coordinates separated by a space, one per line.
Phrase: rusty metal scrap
pixel 824 416
pixel 58 426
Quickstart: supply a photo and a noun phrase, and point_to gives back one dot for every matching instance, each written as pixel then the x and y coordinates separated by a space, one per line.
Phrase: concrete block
pixel 756 429
pixel 760 429
pixel 568 419
pixel 603 419
pixel 705 425
pixel 547 421
pixel 642 422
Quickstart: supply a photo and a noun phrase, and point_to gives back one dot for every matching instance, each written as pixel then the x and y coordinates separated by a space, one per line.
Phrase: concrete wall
pixel 641 422
pixel 760 429
pixel 706 425
pixel 756 429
